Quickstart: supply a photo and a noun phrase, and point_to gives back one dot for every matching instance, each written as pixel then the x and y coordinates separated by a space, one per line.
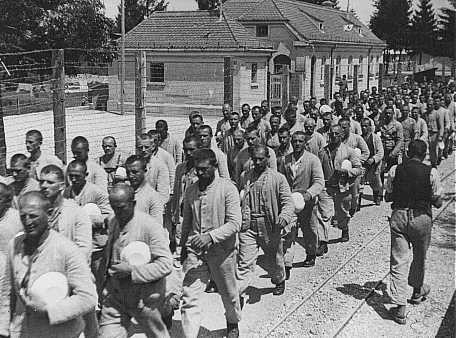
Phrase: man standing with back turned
pixel 414 188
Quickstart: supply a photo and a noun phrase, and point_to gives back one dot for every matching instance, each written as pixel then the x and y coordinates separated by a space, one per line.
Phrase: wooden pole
pixel 140 93
pixel 122 59
pixel 58 104
pixel 2 138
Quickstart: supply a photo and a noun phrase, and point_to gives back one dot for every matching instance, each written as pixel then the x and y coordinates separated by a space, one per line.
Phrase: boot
pixel 232 330
pixel 279 289
pixel 398 314
pixel 420 294
pixel 310 261
pixel 287 272
pixel 345 236
pixel 322 249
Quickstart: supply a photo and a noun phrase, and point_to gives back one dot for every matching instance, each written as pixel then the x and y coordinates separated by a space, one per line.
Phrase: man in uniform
pixel 22 181
pixel 414 188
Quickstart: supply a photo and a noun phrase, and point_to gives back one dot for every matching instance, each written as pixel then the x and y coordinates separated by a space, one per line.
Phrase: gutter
pixel 328 42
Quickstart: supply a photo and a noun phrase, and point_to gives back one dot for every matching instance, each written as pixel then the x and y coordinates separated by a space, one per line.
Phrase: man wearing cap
pixel 111 159
pixel 327 121
pixel 157 171
pixel 211 221
pixel 10 223
pixel 23 182
pixel 374 162
pixel 95 173
pixel 243 161
pixel 38 159
pixel 339 178
pixel 267 209
pixel 305 176
pixel 133 290
pixel 169 142
pixel 414 188
pixel 32 254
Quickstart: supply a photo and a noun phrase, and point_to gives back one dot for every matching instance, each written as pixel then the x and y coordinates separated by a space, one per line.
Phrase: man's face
pixel 252 139
pixel 345 127
pixel 415 113
pixel 414 98
pixel 145 147
pixel 274 121
pixel 298 143
pixel 436 103
pixel 405 111
pixel 162 129
pixel 109 146
pixel 259 160
pixel 245 110
pixel 123 208
pixel 406 99
pixel 34 219
pixel 189 148
pixel 313 102
pixel 238 139
pixel 337 97
pixel 77 176
pixel 447 99
pixel 196 122
pixel 80 152
pixel 256 114
pixel 327 119
pixel 290 117
pixel 234 121
pixel 226 110
pixel 205 170
pixel 390 103
pixel 265 107
pixel 284 139
pixel 335 135
pixel 366 127
pixel 309 127
pixel 32 143
pixel 277 111
pixel 306 106
pixel 359 113
pixel 135 173
pixel 205 137
pixel 389 114
pixel 51 186
pixel 20 171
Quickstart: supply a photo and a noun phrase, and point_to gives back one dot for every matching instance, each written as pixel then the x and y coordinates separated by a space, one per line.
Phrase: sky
pixel 364 8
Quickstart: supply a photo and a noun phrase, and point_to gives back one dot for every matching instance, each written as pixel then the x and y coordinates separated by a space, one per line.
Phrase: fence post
pixel 228 80
pixel 140 93
pixel 58 104
pixel 2 138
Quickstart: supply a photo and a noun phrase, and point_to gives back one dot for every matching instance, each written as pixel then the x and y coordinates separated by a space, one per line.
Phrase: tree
pixel 423 30
pixel 390 22
pixel 204 5
pixel 137 10
pixel 333 3
pixel 447 32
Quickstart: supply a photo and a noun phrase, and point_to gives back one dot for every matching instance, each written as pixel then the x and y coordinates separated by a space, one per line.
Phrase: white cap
pixel 325 109
pixel 358 152
pixel 299 202
pixel 94 213
pixel 346 165
pixel 121 173
pixel 136 253
pixel 50 288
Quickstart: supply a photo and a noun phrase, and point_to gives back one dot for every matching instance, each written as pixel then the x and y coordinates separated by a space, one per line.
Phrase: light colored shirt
pixel 116 161
pixel 149 201
pixel 168 160
pixel 91 193
pixel 355 127
pixel 243 162
pixel 221 162
pixel 158 177
pixel 64 318
pixel 10 225
pixel 42 161
pixel 174 147
pixel 421 130
pixel 315 143
pixel 96 174
pixel 357 142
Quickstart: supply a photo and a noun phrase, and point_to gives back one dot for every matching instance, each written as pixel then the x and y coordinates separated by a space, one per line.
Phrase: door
pixel 276 90
pixel 313 60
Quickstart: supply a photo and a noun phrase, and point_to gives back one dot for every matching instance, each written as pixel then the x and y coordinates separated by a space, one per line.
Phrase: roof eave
pixel 335 42
pixel 182 50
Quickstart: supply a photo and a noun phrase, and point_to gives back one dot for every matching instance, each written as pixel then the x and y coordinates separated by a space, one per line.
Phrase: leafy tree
pixel 334 3
pixel 447 32
pixel 137 10
pixel 208 4
pixel 423 29
pixel 390 22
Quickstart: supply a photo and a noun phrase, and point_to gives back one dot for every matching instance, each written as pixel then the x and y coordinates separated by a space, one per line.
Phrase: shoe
pixel 398 314
pixel 322 249
pixel 232 330
pixel 287 272
pixel 345 236
pixel 279 289
pixel 211 287
pixel 418 297
pixel 309 262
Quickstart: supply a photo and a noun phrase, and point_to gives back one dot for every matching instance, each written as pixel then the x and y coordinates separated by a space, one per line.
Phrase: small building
pixel 253 50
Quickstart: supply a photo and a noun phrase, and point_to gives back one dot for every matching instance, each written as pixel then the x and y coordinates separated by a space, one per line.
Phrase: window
pixel 320 26
pixel 377 66
pixel 157 72
pixel 254 74
pixel 322 69
pixel 262 31
pixel 350 67
pixel 338 67
pixel 371 67
pixel 361 67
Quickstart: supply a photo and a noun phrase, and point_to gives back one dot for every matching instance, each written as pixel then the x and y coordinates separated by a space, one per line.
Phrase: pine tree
pixel 390 22
pixel 424 29
pixel 447 32
pixel 137 10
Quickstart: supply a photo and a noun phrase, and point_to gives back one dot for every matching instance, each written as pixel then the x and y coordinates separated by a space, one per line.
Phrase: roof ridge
pixel 229 27
pixel 297 2
pixel 259 3
pixel 277 7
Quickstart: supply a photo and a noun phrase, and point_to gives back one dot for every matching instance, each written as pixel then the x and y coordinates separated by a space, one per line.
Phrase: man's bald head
pixel 34 198
pixel 122 192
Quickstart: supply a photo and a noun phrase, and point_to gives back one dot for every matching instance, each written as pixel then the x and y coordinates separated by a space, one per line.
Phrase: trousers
pixel 372 175
pixel 408 228
pixel 219 264
pixel 342 205
pixel 325 213
pixel 120 305
pixel 250 241
pixel 308 222
pixel 433 151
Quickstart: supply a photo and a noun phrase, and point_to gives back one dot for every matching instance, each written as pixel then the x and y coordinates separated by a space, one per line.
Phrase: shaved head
pixel 35 198
pixel 122 192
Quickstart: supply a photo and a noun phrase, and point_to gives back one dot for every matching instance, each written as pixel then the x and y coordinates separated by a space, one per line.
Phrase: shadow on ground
pixel 447 327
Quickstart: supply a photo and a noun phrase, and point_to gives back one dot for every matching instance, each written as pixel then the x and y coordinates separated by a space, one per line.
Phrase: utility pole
pixel 122 60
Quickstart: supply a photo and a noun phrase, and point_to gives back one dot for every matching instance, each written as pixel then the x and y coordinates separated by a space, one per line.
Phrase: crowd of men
pixel 204 206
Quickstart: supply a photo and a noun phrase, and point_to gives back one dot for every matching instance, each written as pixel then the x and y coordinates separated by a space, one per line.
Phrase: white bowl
pixel 346 165
pixel 94 213
pixel 136 253
pixel 358 152
pixel 299 202
pixel 50 288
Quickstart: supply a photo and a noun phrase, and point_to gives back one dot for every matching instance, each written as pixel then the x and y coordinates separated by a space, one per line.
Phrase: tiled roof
pixel 196 30
pixel 305 19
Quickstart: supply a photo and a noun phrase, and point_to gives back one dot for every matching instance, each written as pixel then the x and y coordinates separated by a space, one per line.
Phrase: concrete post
pixel 58 104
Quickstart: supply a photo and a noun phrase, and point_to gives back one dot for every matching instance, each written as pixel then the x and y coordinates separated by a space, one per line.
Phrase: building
pixel 256 49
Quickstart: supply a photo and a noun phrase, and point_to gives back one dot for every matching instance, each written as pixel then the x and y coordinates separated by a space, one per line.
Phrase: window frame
pixel 258 30
pixel 153 76
pixel 254 75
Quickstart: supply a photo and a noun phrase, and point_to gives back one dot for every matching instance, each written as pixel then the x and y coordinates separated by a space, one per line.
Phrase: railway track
pixel 320 286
